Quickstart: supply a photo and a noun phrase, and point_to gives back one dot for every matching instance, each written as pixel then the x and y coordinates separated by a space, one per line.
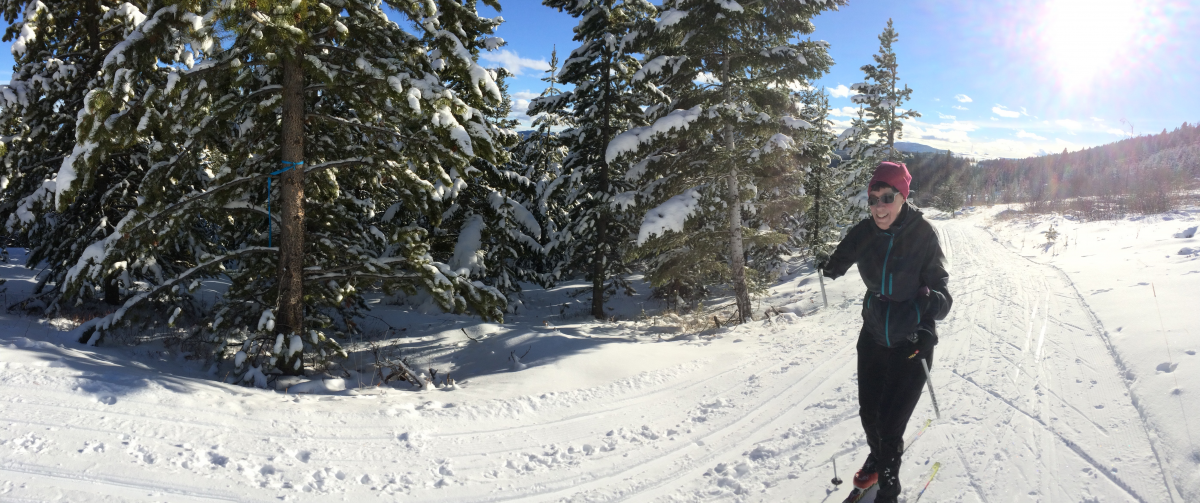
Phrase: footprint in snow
pixel 217 459
pixel 1166 367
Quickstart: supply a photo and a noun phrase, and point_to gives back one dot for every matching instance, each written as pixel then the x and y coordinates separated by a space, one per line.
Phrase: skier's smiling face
pixel 883 213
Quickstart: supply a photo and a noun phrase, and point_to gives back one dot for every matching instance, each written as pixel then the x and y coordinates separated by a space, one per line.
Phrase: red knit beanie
pixel 894 174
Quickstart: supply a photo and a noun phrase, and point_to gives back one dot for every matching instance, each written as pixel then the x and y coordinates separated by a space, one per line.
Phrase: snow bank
pixel 295 385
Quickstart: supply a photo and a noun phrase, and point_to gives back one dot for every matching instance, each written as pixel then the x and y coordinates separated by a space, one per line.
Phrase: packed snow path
pixel 1035 402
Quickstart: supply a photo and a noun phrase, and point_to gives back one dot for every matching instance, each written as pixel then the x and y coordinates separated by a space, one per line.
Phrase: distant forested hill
pixel 1166 160
pixel 1149 167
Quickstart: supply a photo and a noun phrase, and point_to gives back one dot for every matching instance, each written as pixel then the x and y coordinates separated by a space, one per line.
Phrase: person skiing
pixel 902 264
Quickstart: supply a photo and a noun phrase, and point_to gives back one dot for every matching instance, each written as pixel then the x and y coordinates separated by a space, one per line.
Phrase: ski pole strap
pixel 290 165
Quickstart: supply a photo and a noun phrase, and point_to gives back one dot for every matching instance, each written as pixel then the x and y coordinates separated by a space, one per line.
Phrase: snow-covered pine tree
pixel 58 49
pixel 727 66
pixel 605 101
pixel 881 96
pixel 369 110
pixel 782 201
pixel 838 186
pixel 538 157
pixel 825 181
pixel 489 232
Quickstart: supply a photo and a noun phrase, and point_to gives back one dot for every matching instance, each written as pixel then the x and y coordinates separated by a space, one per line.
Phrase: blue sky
pixel 996 78
pixel 1001 78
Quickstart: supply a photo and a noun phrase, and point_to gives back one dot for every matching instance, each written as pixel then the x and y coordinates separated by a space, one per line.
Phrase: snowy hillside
pixel 1067 371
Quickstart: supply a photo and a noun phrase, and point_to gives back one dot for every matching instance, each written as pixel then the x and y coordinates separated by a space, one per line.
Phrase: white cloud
pixel 841 91
pixel 514 63
pixel 1097 120
pixel 962 98
pixel 1022 134
pixel 952 135
pixel 1118 132
pixel 1002 111
pixel 844 112
pixel 1006 148
pixel 520 102
pixel 1059 142
pixel 840 126
pixel 944 116
pixel 1068 123
pixel 959 107
pixel 995 119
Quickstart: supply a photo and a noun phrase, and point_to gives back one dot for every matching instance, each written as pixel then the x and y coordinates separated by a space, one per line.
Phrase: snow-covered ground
pixel 1066 372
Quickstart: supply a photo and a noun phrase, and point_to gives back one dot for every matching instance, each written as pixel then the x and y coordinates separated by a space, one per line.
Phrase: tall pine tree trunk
pixel 891 131
pixel 290 315
pixel 737 253
pixel 818 224
pixel 92 26
pixel 112 291
pixel 599 262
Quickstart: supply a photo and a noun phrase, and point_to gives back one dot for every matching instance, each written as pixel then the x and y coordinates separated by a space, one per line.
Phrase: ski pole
pixel 929 382
pixel 836 481
pixel 821 278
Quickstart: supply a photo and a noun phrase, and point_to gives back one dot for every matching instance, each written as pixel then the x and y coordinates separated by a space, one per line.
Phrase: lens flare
pixel 1083 40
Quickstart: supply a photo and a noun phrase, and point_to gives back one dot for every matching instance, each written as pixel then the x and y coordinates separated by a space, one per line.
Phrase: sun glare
pixel 1085 39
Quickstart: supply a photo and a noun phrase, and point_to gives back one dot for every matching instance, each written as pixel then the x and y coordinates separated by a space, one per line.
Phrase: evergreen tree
pixel 489 233
pixel 58 49
pixel 859 156
pixel 367 127
pixel 538 157
pixel 821 222
pixel 881 96
pixel 727 68
pixel 604 101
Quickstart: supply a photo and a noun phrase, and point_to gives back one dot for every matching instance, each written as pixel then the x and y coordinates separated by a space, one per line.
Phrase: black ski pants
pixel 889 386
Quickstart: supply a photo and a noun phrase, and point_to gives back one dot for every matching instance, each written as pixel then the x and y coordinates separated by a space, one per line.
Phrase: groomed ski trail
pixel 1034 409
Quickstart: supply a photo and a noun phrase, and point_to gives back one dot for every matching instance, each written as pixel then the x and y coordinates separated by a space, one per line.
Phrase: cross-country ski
pixel 936 466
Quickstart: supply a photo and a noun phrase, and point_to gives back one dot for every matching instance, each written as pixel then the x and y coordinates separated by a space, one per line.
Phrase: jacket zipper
pixel 887 320
pixel 884 276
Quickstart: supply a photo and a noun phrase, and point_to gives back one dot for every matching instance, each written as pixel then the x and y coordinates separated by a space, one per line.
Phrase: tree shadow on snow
pixel 469 348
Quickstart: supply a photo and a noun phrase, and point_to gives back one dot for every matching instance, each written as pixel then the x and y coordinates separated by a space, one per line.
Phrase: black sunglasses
pixel 886 198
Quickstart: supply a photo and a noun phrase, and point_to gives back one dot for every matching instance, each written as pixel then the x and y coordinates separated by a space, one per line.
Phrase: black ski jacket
pixel 895 264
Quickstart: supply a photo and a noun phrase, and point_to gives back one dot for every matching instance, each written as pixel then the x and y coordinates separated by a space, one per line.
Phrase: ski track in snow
pixel 1036 407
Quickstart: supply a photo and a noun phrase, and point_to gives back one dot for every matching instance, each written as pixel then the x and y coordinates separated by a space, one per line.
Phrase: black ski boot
pixel 889 481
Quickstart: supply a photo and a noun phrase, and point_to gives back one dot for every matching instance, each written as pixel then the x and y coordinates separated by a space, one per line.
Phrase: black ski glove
pixel 923 341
